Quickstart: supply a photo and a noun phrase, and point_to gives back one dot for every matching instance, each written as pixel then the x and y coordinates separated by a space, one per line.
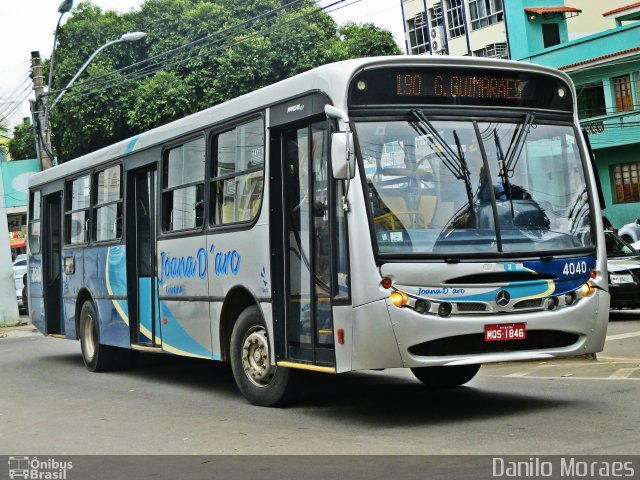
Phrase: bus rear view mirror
pixel 343 162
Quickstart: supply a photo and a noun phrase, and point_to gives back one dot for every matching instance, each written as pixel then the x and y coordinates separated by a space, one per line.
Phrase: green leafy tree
pixel 160 99
pixel 364 41
pixel 130 88
pixel 23 144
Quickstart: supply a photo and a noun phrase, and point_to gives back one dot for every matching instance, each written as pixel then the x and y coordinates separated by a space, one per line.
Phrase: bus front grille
pixel 471 307
pixel 526 304
pixel 476 344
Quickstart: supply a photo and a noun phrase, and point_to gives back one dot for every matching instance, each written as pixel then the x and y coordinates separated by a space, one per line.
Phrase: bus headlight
pixel 399 299
pixel 444 309
pixel 422 306
pixel 550 303
pixel 587 290
pixel 569 298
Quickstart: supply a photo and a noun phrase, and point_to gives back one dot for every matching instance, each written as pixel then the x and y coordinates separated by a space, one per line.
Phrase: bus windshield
pixel 463 187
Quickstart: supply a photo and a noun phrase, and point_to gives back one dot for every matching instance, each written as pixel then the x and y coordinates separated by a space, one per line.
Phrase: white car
pixel 630 233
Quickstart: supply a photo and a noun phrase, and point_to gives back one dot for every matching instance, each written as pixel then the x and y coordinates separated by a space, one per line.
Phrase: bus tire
pixel 261 382
pixel 97 357
pixel 446 377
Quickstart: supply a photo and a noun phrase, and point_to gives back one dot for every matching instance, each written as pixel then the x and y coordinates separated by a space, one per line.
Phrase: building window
pixel 591 100
pixel 455 18
pixel 495 50
pixel 183 187
pixel 238 175
pixel 485 13
pixel 435 14
pixel 622 92
pixel 107 205
pixel 418 34
pixel 626 182
pixel 34 223
pixel 78 203
pixel 550 34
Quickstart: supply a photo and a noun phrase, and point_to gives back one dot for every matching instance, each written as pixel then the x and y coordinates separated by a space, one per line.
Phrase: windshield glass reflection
pixel 431 191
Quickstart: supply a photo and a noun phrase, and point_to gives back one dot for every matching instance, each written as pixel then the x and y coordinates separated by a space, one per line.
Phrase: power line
pixel 151 69
pixel 204 39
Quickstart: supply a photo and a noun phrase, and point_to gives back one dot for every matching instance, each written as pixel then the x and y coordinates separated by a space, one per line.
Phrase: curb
pixel 23 330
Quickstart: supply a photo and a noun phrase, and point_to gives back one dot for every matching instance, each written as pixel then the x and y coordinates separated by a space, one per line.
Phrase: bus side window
pixel 237 179
pixel 183 186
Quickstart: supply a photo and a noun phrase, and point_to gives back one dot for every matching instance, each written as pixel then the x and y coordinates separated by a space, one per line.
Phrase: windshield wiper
pixel 455 163
pixel 517 143
pixel 503 171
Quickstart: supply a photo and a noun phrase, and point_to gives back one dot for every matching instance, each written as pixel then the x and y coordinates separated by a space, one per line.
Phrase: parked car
pixel 20 261
pixel 19 283
pixel 630 232
pixel 20 265
pixel 623 263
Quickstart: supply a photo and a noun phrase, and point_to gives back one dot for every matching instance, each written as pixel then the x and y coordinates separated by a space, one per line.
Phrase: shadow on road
pixel 370 398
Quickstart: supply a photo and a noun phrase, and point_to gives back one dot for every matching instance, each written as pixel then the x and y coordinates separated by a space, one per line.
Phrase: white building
pixel 481 27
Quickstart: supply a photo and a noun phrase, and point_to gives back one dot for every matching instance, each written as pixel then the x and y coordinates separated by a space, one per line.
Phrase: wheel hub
pixel 89 337
pixel 256 360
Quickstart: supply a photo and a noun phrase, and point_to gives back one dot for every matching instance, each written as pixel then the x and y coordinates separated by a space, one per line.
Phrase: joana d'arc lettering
pixel 197 266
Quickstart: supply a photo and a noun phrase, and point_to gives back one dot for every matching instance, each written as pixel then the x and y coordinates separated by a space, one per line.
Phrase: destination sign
pixel 446 85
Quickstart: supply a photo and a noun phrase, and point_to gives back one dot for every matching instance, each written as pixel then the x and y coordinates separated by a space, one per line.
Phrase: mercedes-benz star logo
pixel 502 298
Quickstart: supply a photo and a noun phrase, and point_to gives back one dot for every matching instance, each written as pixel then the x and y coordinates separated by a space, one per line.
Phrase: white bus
pixel 418 212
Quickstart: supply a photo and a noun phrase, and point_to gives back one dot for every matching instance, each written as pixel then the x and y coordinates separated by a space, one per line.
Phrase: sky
pixel 28 25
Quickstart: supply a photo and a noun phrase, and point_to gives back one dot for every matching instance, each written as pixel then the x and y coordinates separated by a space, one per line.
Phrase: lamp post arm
pixel 82 69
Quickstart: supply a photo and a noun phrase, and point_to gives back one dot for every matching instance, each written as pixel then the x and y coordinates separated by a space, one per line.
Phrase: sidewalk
pixel 24 330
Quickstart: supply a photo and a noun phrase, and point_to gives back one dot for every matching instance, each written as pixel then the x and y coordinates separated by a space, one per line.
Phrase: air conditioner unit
pixel 437 39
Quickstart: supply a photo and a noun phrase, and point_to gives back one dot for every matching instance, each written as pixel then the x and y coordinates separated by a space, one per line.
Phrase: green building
pixel 605 68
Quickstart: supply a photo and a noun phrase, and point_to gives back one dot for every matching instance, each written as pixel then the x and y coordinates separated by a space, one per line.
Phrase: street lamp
pixel 64 7
pixel 127 37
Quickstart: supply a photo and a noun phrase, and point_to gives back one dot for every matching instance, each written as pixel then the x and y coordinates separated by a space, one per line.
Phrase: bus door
pixel 52 263
pixel 302 216
pixel 141 258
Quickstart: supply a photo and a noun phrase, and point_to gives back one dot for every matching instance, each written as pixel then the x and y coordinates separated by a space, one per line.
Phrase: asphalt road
pixel 50 404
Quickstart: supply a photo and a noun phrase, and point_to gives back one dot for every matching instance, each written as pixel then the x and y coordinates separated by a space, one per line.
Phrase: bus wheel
pixel 97 357
pixel 261 382
pixel 446 377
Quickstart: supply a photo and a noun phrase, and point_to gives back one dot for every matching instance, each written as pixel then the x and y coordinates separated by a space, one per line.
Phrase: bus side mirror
pixel 343 162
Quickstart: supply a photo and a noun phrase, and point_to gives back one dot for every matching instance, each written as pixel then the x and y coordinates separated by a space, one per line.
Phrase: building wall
pixel 473 40
pixel 521 27
pixel 618 214
pixel 591 21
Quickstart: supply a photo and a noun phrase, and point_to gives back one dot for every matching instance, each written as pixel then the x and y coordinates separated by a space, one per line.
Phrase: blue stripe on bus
pixel 132 144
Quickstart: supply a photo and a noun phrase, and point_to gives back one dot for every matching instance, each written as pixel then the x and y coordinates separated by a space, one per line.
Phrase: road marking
pixel 517 374
pixel 624 372
pixel 621 336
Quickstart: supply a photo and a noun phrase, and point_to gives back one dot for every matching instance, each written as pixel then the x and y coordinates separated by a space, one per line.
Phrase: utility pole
pixel 38 113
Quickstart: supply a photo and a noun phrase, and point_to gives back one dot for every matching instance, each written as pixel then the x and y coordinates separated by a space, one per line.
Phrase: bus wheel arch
pixel 97 356
pixel 83 296
pixel 237 300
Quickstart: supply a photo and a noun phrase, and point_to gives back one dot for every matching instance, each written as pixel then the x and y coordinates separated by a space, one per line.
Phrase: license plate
pixel 505 331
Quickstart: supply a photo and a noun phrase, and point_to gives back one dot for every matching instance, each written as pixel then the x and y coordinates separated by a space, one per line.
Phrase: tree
pixel 197 53
pixel 364 41
pixel 23 144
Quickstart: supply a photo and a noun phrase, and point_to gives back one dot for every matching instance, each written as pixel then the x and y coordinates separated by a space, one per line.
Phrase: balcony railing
pixel 614 129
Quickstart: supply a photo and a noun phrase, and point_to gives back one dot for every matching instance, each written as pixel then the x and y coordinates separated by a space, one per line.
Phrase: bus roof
pixel 332 79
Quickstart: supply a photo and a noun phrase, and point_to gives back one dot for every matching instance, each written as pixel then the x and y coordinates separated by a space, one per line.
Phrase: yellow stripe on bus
pixel 304 366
